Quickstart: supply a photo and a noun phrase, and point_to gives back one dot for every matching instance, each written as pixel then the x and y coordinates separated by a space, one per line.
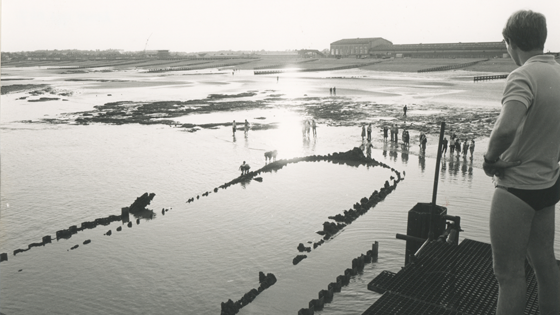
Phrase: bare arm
pixel 502 137
pixel 505 128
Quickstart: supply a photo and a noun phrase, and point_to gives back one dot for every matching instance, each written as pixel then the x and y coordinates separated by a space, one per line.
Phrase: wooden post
pixel 374 251
pixel 436 179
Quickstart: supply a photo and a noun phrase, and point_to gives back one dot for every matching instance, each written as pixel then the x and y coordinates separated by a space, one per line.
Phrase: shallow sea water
pixel 197 255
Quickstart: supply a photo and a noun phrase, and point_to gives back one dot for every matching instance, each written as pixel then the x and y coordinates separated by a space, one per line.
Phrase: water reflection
pixel 422 162
pixel 453 165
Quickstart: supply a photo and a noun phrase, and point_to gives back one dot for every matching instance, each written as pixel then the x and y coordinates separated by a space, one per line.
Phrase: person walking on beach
pixel 330 91
pixel 363 132
pixel 471 148
pixel 234 127
pixel 444 146
pixel 522 159
pixel 396 133
pixel 465 148
pixel 314 126
pixel 458 147
pixel 246 125
pixel 404 110
pixel 334 90
pixel 385 133
pixel 423 143
pixel 369 132
pixel 451 146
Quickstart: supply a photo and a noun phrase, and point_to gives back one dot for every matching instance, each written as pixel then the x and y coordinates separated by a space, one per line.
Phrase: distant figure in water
pixel 330 91
pixel 452 146
pixel 244 168
pixel 277 79
pixel 246 125
pixel 444 146
pixel 334 90
pixel 314 126
pixel 404 110
pixel 385 133
pixel 268 156
pixel 234 127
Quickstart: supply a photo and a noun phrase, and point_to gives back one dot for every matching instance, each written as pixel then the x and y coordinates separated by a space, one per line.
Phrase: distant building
pixel 380 47
pixel 443 50
pixel 356 47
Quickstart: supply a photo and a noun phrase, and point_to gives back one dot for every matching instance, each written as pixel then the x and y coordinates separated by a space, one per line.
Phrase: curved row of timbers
pixel 353 157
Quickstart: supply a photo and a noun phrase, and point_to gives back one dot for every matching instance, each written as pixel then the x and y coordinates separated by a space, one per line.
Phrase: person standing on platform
pixel 522 159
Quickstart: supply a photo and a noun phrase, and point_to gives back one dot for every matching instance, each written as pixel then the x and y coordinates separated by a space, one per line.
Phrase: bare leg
pixel 541 256
pixel 510 227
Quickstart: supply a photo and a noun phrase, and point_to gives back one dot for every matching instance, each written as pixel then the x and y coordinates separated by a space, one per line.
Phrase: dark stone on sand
pixel 129 224
pixel 87 242
pixel 109 233
pixel 3 257
pixel 298 258
pixel 119 228
pixel 74 247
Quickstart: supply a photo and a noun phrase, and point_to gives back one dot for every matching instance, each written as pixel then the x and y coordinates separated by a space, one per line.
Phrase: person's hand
pixel 498 168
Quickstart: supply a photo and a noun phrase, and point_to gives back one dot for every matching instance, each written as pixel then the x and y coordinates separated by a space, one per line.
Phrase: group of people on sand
pixel 308 126
pixel 394 131
pixel 456 146
pixel 245 126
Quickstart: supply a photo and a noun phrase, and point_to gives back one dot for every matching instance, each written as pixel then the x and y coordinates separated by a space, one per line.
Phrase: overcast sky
pixel 210 25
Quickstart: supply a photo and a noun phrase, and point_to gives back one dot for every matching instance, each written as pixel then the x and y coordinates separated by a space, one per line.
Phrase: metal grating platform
pixel 445 279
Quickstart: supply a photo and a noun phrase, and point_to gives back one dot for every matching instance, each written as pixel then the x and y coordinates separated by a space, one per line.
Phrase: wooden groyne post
pixel 490 77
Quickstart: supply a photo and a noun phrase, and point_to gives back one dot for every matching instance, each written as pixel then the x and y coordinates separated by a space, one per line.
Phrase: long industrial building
pixel 380 48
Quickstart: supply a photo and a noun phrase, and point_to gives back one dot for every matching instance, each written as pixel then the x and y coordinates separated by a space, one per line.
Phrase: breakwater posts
pixel 352 157
pixel 451 67
pixel 330 229
pixel 185 68
pixel 327 295
pixel 285 64
pixel 137 208
pixel 230 307
pixel 258 72
pixel 490 77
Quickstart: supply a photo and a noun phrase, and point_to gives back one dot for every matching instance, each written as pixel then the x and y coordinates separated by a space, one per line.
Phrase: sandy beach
pixel 79 144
